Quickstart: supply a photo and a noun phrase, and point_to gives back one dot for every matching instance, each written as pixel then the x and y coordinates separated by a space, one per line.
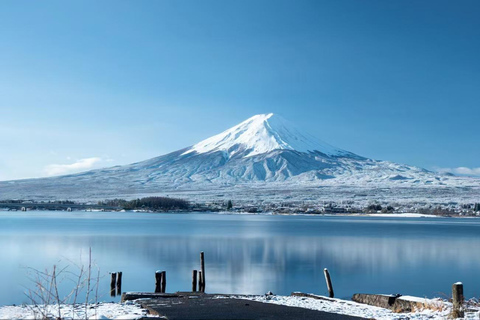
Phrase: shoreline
pixel 434 309
pixel 374 215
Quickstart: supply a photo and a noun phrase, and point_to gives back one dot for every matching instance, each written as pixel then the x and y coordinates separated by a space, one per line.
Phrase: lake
pixel 249 254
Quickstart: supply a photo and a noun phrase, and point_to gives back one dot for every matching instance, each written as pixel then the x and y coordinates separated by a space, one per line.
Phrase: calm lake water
pixel 244 253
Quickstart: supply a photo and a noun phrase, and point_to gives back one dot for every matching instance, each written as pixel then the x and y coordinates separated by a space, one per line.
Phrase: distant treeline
pixel 376 208
pixel 438 211
pixel 148 203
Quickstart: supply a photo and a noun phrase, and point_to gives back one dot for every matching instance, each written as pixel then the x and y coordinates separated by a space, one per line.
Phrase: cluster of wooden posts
pixel 116 283
pixel 198 276
pixel 198 279
pixel 201 275
pixel 160 281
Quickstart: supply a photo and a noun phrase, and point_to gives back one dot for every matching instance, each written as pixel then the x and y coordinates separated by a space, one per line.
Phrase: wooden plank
pixel 202 264
pixel 146 295
pixel 457 301
pixel 194 280
pixel 113 282
pixel 119 283
pixel 163 281
pixel 329 283
pixel 158 281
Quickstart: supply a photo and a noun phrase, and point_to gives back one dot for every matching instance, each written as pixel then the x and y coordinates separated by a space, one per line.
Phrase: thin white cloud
pixel 461 171
pixel 78 166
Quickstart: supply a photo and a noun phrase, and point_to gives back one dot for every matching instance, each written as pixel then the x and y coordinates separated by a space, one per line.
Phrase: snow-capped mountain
pixel 261 134
pixel 264 151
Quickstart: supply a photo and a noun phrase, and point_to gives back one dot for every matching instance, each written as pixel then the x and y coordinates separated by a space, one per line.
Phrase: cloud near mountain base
pixel 461 171
pixel 77 166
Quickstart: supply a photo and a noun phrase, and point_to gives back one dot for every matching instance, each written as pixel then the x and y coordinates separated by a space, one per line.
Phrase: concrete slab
pixel 206 307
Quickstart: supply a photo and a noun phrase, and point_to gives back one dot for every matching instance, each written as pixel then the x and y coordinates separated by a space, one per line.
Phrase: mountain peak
pixel 264 133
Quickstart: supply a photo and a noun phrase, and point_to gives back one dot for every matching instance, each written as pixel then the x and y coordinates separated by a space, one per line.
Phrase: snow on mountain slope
pixel 263 152
pixel 261 134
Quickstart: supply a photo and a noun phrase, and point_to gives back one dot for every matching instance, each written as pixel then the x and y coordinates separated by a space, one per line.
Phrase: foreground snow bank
pixel 98 311
pixel 132 311
pixel 350 308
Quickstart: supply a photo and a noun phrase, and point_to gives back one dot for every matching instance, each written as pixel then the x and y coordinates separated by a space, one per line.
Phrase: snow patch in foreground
pixel 349 308
pixel 131 310
pixel 104 311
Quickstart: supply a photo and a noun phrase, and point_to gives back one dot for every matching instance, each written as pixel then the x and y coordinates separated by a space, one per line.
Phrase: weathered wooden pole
pixel 457 301
pixel 200 284
pixel 202 265
pixel 113 281
pixel 194 280
pixel 119 283
pixel 158 281
pixel 329 283
pixel 163 281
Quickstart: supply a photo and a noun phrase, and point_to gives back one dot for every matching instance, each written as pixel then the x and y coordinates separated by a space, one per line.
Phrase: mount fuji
pixel 262 152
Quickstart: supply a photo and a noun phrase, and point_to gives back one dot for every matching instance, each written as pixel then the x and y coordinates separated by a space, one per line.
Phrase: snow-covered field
pixel 132 310
pixel 104 311
pixel 357 309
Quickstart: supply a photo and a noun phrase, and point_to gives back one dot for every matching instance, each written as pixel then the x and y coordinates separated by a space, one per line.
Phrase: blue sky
pixel 86 84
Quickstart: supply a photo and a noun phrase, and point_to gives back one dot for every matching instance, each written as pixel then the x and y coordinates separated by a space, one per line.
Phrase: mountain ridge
pixel 264 151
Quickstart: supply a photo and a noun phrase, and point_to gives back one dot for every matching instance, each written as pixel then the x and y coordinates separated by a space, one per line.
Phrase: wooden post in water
pixel 158 281
pixel 112 284
pixel 329 283
pixel 202 265
pixel 200 284
pixel 164 281
pixel 119 283
pixel 194 280
pixel 457 301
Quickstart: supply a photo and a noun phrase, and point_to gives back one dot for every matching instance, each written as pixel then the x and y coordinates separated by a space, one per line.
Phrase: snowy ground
pixel 131 310
pixel 104 311
pixel 357 309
